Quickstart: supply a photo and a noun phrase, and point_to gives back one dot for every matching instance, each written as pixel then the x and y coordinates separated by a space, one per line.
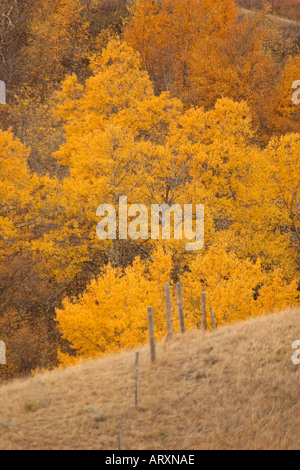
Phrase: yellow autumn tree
pixel 166 32
pixel 202 51
pixel 57 43
pixel 37 124
pixel 286 113
pixel 231 176
pixel 114 126
pixel 239 66
pixel 122 140
pixel 112 313
pixel 237 289
pixel 18 189
pixel 284 157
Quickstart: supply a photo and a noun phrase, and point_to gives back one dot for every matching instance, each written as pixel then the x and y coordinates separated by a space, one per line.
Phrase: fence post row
pixel 170 323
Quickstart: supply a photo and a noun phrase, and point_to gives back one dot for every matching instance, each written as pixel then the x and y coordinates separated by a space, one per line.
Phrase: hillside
pixel 282 8
pixel 235 389
pixel 280 21
pixel 288 26
pixel 285 17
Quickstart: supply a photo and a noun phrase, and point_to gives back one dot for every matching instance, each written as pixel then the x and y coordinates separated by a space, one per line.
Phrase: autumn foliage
pixel 171 102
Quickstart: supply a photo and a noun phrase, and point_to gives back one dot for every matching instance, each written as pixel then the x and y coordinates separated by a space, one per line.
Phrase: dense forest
pixel 174 101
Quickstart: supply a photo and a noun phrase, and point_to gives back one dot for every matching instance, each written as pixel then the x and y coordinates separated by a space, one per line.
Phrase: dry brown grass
pixel 279 21
pixel 283 8
pixel 235 389
pixel 288 25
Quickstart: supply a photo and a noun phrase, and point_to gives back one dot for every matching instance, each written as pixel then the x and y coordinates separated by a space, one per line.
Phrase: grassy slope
pixel 236 389
pixel 278 20
pixel 285 8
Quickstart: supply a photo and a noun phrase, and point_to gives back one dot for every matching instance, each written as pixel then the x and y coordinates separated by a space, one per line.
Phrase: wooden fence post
pixel 151 334
pixel 120 438
pixel 203 311
pixel 213 319
pixel 180 307
pixel 137 379
pixel 168 311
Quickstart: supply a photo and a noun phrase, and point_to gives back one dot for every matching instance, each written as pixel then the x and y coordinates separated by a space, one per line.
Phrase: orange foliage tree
pixel 200 52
